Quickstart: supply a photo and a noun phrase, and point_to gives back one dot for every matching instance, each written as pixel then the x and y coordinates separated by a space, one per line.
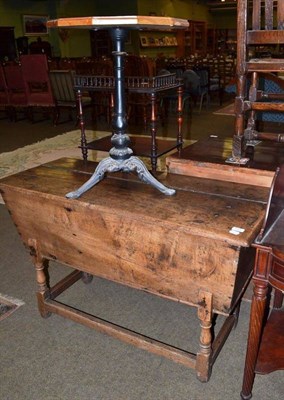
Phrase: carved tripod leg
pixel 203 362
pixel 111 165
pixel 40 266
pixel 135 164
pixel 105 165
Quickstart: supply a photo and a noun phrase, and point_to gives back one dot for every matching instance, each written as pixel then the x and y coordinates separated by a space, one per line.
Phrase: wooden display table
pixel 193 247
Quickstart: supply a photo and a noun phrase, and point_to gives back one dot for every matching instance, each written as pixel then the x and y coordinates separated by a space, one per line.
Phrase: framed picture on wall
pixel 35 25
pixel 143 41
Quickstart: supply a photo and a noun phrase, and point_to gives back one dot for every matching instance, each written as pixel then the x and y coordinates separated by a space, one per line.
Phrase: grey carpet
pixel 56 359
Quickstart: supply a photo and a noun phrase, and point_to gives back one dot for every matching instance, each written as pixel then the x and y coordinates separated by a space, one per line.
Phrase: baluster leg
pixel 153 132
pixel 203 365
pixel 40 266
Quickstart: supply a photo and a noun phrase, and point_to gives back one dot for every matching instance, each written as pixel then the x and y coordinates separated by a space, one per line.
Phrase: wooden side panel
pixel 222 172
pixel 167 262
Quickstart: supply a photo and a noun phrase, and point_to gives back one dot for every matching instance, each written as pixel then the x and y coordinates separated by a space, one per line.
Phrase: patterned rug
pixel 65 145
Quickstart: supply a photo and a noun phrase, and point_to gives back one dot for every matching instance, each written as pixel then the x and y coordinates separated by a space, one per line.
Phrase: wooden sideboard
pixel 193 247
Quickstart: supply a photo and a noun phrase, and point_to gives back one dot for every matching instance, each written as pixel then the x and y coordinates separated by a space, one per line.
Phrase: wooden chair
pixel 247 105
pixel 139 104
pixel 62 84
pixel 37 84
pixel 265 350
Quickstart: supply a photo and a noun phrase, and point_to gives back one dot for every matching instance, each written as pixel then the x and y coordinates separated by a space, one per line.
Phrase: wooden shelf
pixel 270 357
pixel 158 39
pixel 193 40
pixel 140 145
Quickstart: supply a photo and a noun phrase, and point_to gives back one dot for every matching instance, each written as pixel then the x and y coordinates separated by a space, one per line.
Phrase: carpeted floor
pixel 57 359
pixel 64 145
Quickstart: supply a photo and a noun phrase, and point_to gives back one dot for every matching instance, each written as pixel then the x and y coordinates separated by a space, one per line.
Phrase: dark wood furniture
pixel 101 45
pixel 193 247
pixel 265 348
pixel 255 27
pixel 4 94
pixel 8 50
pixel 192 41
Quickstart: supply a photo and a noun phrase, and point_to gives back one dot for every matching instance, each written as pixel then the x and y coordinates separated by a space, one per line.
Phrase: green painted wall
pixel 116 7
pixel 224 19
pixel 78 42
pixel 187 9
pixel 11 12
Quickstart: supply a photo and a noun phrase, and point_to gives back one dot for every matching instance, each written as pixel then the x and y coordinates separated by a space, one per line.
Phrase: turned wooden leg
pixel 238 138
pixel 153 133
pixel 87 278
pixel 250 130
pixel 256 320
pixel 84 144
pixel 179 118
pixel 203 365
pixel 40 266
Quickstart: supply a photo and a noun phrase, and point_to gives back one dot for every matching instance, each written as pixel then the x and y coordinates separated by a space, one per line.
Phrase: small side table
pixel 153 87
pixel 120 156
pixel 265 347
